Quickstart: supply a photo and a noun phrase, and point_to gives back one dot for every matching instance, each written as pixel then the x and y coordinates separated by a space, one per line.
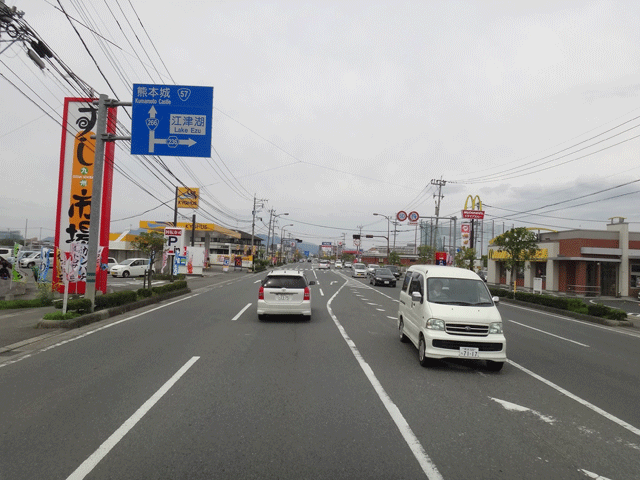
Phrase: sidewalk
pixel 18 326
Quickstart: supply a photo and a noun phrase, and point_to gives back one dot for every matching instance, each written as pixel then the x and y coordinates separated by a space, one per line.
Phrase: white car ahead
pixel 285 292
pixel 132 267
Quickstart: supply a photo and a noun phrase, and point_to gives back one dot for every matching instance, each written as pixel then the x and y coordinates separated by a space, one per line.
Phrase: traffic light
pixel 356 237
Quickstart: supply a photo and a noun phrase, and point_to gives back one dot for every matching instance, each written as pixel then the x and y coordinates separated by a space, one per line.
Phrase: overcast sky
pixel 333 111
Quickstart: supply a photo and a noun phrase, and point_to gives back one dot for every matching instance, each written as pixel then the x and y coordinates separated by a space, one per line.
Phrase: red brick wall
pixel 571 247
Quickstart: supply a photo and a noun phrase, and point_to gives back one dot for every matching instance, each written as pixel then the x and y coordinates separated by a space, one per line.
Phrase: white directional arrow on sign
pixel 172 142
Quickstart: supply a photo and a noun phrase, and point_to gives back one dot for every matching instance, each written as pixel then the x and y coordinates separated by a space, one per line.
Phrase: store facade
pixel 578 262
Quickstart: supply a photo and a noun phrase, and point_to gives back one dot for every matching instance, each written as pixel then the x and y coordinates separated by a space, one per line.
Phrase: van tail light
pixel 261 293
pixel 307 293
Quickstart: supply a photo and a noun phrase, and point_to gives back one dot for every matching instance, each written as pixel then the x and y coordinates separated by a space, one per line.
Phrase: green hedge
pixel 563 303
pixel 115 299
pixel 170 287
pixel 80 305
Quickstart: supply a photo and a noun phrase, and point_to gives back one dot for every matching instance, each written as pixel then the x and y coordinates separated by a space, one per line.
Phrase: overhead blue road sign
pixel 171 120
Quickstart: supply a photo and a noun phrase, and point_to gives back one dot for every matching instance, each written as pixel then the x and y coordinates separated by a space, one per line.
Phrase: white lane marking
pixel 321 292
pixel 89 464
pixel 97 330
pixel 512 407
pixel 622 331
pixel 241 312
pixel 593 475
pixel 374 304
pixel 428 467
pixel 591 406
pixel 380 309
pixel 392 318
pixel 557 336
pixel 257 281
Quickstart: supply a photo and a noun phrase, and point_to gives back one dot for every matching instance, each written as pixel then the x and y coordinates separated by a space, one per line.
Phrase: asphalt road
pixel 198 388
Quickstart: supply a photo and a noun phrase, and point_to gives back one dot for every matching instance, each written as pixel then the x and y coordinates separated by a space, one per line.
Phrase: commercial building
pixel 578 262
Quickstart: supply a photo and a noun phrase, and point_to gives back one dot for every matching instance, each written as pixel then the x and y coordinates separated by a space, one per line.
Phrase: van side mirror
pixel 312 282
pixel 416 296
pixel 495 299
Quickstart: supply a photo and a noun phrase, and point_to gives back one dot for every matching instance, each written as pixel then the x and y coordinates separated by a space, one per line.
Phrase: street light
pixel 269 239
pixel 388 230
pixel 281 238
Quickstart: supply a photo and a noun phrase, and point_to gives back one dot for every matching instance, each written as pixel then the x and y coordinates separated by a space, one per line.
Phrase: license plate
pixel 468 352
pixel 282 298
pixel 386 282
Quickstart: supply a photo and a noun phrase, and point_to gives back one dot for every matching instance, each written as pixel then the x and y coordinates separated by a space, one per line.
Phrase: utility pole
pixel 439 183
pixel 395 230
pixel 253 229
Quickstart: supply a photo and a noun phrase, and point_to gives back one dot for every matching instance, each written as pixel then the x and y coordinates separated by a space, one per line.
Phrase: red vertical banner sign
pixel 75 188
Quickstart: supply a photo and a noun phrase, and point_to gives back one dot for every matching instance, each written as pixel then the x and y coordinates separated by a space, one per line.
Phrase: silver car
pixel 285 292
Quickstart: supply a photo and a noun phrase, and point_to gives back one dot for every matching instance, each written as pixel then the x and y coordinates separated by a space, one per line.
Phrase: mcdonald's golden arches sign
pixel 473 212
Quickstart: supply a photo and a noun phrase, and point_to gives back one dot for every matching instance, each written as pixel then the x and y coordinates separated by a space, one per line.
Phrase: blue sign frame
pixel 171 120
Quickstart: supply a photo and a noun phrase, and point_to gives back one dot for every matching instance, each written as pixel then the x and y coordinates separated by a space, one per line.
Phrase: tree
pixel 465 258
pixel 394 258
pixel 425 254
pixel 150 243
pixel 520 244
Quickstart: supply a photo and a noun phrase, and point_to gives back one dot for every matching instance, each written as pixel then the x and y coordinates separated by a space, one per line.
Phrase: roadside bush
pixel 616 314
pixel 144 292
pixel 45 294
pixel 114 299
pixel 598 310
pixel 170 287
pixel 577 305
pixel 60 316
pixel 10 304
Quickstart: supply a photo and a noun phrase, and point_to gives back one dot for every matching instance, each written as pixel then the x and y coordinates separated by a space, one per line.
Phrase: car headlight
pixel 435 324
pixel 495 327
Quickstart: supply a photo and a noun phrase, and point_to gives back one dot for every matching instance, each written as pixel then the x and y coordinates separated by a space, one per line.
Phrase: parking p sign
pixel 173 240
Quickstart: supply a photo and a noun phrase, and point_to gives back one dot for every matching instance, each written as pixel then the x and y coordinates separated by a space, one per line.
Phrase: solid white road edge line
pixel 557 336
pixel 428 467
pixel 89 464
pixel 591 406
pixel 569 319
pixel 241 312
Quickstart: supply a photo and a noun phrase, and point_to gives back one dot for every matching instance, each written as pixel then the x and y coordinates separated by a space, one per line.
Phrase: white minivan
pixel 448 312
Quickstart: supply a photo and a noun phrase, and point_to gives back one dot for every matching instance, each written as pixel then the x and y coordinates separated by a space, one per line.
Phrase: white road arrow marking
pixel 517 408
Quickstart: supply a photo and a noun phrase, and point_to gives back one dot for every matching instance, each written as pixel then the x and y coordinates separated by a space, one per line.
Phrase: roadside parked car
pixel 448 312
pixel 359 270
pixel 111 262
pixel 382 276
pixel 35 259
pixel 131 267
pixel 285 292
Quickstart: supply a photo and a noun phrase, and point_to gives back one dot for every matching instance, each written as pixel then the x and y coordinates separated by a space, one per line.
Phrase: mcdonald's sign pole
pixel 474 213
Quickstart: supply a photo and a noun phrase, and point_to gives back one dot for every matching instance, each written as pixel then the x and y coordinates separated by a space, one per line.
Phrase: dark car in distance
pixel 395 270
pixel 382 276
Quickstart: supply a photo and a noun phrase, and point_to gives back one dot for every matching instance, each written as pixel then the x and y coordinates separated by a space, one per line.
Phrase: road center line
pixel 241 312
pixel 591 406
pixel 547 333
pixel 428 467
pixel 89 464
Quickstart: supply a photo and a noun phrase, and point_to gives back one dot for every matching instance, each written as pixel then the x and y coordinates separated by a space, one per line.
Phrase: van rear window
pixel 288 281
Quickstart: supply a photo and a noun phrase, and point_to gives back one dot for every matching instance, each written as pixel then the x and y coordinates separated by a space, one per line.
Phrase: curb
pixel 569 313
pixel 110 312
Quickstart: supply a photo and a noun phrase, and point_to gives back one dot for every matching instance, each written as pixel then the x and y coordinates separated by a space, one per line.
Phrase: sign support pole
pixel 96 194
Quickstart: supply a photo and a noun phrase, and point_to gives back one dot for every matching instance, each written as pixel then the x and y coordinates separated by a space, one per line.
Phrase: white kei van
pixel 448 312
